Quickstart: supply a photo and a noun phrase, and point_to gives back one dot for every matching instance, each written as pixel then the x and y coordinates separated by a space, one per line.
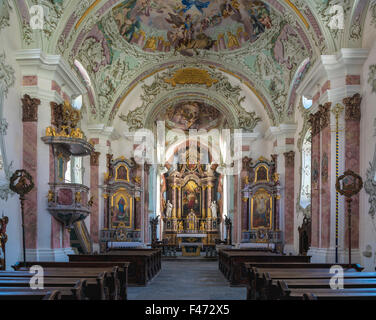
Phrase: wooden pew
pixel 259 273
pixel 328 294
pixel 108 283
pixel 26 294
pixel 145 264
pixel 11 289
pixel 232 263
pixel 117 283
pixel 362 288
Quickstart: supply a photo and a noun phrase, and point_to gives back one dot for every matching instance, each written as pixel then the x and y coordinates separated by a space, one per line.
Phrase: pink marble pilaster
pixel 30 161
pixel 325 187
pixel 289 197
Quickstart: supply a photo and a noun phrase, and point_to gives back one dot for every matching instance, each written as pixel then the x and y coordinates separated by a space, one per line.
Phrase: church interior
pixel 232 138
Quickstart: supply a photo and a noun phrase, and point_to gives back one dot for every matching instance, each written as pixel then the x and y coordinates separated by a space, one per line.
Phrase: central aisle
pixel 188 280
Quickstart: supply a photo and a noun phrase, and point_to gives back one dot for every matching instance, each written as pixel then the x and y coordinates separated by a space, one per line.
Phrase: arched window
pixel 305 191
pixel 307 103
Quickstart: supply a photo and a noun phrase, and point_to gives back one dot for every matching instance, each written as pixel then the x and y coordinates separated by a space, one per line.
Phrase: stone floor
pixel 188 280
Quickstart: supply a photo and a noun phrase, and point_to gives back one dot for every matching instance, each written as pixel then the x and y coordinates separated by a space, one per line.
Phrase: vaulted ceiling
pixel 267 46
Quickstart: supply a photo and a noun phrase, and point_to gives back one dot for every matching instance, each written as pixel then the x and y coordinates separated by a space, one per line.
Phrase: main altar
pixel 191 199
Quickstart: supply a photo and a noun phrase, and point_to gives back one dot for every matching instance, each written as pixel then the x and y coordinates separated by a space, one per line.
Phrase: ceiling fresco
pixel 187 25
pixel 192 115
pixel 261 43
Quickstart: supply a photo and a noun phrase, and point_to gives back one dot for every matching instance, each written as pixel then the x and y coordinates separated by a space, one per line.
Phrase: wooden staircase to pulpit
pixel 80 238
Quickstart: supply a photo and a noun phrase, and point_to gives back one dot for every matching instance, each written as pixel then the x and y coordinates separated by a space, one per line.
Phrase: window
pixel 75 171
pixel 307 103
pixel 305 192
pixel 77 103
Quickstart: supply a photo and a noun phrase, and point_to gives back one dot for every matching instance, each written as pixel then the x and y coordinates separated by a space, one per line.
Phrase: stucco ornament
pixel 53 11
pixel 7 80
pixel 373 12
pixel 159 88
pixel 331 15
pixel 4 13
pixel 372 77
pixel 370 187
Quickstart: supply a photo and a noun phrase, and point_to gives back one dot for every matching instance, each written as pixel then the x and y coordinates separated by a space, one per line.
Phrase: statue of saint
pixel 169 209
pixel 213 208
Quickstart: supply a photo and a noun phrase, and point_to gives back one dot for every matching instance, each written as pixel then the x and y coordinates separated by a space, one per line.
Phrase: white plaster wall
pixel 298 215
pixel 10 42
pixel 367 149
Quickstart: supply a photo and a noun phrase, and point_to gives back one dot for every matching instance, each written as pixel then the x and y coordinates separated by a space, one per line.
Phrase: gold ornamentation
pixel 276 177
pixel 77 197
pixel 191 76
pixel 51 196
pixel 91 202
pixel 137 180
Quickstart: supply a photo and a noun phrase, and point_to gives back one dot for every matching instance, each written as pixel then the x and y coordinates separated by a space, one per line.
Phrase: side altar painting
pixel 188 25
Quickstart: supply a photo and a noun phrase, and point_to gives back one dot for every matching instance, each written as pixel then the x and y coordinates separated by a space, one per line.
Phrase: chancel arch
pixel 189 127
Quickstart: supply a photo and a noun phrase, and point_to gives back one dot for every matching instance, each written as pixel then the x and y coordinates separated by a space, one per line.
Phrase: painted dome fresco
pixel 187 25
pixel 192 115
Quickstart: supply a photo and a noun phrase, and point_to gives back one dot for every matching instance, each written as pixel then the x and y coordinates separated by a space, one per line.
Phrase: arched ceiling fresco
pixel 269 45
pixel 192 115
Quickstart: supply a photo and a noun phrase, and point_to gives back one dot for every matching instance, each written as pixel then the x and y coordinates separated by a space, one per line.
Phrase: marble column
pixel 146 200
pixel 94 191
pixel 209 200
pixel 245 199
pixel 352 160
pixel 30 163
pixel 179 202
pixel 289 197
pixel 203 195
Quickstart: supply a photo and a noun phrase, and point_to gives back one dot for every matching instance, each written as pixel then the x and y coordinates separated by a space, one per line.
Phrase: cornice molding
pixel 52 67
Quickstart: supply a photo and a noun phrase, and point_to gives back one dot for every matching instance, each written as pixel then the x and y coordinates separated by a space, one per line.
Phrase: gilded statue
pixel 78 197
pixel 91 202
pixel 51 196
pixel 180 226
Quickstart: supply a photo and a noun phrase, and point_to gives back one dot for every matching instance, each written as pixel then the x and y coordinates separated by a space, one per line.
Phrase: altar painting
pixel 122 173
pixel 261 210
pixel 122 210
pixel 191 201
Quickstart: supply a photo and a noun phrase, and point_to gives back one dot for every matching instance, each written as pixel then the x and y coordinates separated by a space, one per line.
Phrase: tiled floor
pixel 188 280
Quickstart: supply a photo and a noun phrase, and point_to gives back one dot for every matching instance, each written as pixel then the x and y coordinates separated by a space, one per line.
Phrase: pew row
pixel 144 264
pixel 111 285
pixel 310 282
pixel 26 294
pixel 231 263
pixel 259 273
